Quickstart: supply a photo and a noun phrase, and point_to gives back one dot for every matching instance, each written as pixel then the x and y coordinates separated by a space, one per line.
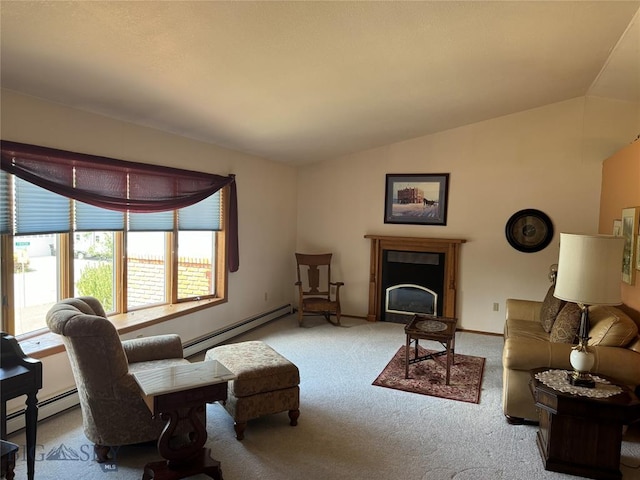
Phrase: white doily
pixel 557 379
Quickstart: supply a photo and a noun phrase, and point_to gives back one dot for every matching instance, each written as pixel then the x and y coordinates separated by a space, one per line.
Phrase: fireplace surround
pixel 436 260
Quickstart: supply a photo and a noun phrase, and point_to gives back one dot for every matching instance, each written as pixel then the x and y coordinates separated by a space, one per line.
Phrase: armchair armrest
pixel 527 354
pixel 156 347
pixel 523 309
pixel 617 362
pixel 337 293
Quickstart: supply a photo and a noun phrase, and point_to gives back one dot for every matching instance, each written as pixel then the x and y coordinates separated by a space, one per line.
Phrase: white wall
pixel 532 159
pixel 540 158
pixel 266 204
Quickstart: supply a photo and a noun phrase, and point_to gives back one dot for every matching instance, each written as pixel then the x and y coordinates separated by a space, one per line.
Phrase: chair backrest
pixel 95 351
pixel 314 273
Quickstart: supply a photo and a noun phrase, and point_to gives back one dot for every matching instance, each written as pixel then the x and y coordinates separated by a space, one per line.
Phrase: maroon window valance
pixel 118 184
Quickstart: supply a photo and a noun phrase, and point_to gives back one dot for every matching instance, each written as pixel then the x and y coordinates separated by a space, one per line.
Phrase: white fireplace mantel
pixel 379 244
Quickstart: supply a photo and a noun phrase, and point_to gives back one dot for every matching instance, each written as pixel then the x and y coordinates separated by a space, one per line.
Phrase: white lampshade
pixel 589 269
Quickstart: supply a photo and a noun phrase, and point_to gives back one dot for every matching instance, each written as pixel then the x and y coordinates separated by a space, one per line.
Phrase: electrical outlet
pixel 266 296
pixel 496 307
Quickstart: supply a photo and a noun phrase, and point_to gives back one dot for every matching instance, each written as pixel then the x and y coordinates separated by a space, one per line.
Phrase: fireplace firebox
pixel 405 300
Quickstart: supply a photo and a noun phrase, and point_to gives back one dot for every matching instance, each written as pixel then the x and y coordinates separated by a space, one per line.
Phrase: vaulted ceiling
pixel 302 81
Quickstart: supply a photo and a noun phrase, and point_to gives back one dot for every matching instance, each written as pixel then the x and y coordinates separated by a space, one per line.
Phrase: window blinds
pixel 40 211
pixel 5 204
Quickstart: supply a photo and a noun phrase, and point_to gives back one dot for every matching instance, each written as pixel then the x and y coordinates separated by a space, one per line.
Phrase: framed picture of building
pixel 630 223
pixel 416 198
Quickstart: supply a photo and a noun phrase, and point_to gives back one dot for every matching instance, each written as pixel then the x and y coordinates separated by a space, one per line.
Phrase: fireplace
pixel 410 275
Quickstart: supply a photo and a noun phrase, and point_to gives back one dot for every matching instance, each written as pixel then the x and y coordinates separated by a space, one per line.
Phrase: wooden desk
pixel 20 375
pixel 168 390
pixel 579 435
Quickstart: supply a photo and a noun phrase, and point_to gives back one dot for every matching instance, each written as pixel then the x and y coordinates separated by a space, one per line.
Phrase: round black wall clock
pixel 529 230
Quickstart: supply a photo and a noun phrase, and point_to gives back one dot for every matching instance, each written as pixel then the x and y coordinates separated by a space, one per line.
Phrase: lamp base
pixel 581 379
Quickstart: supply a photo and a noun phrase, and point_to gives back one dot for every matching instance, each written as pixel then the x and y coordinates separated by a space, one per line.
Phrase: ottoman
pixel 265 382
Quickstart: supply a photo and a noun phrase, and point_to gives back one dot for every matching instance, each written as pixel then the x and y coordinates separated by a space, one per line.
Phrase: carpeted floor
pixel 348 428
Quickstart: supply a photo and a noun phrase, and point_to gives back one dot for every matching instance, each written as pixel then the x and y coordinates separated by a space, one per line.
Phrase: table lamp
pixel 589 273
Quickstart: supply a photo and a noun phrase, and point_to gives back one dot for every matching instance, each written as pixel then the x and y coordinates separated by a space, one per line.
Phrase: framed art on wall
pixel 416 198
pixel 630 233
pixel 617 228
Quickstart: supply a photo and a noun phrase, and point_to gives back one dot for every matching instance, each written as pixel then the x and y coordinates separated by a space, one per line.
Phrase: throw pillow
pixel 551 306
pixel 566 326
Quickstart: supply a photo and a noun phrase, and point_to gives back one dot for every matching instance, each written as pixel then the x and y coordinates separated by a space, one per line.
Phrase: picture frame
pixel 416 198
pixel 617 227
pixel 630 223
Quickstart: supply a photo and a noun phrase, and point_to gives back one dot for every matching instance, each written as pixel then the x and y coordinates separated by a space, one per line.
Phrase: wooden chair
pixel 315 285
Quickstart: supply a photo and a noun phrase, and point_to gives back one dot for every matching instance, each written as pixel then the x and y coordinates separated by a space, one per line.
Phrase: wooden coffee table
pixel 580 435
pixel 168 390
pixel 427 327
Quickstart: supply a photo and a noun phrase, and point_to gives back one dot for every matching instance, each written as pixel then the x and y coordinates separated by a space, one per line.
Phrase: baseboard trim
pixel 69 399
pixel 215 338
pixel 46 409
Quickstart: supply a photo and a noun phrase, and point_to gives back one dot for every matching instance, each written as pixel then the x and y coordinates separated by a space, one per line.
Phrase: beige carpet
pixel 348 428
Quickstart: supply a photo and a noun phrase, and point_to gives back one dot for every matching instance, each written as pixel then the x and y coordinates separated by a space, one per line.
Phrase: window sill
pixel 44 343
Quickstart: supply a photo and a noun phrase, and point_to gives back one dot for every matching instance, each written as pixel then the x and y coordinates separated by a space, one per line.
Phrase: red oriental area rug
pixel 428 377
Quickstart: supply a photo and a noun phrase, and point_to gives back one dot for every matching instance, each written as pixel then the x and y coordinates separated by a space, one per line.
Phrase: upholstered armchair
pixel 113 410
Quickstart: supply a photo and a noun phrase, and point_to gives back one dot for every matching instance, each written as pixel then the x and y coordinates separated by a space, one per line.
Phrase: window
pixel 36 280
pixel 57 247
pixel 196 257
pixel 94 272
pixel 40 266
pixel 146 269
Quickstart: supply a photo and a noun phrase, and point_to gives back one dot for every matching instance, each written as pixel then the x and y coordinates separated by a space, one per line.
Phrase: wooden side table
pixel 580 435
pixel 170 390
pixel 20 375
pixel 438 329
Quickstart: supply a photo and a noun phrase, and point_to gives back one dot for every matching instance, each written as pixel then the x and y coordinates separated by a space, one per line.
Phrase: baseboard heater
pixel 69 399
pixel 209 341
pixel 46 408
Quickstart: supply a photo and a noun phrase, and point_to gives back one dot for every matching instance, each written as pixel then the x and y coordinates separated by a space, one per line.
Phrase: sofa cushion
pixel 515 328
pixel 566 325
pixel 611 327
pixel 551 306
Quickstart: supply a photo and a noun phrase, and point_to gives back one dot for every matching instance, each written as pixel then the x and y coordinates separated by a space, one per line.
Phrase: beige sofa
pixel 535 336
